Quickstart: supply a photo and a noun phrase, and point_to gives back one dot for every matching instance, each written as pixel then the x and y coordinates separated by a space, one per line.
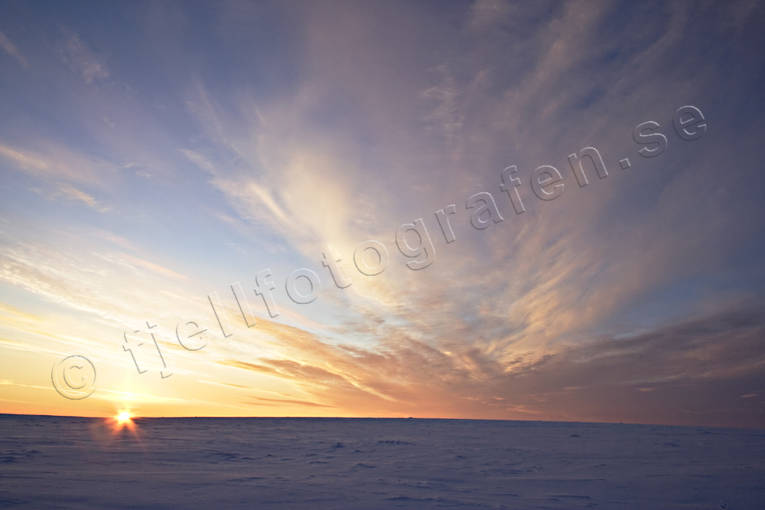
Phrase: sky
pixel 312 208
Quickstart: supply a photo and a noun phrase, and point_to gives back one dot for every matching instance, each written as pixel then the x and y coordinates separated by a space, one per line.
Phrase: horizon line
pixel 388 418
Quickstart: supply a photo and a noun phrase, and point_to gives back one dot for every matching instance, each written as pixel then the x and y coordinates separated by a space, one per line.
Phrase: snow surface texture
pixel 48 462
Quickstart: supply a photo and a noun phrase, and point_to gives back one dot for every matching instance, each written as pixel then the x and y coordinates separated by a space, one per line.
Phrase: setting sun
pixel 124 417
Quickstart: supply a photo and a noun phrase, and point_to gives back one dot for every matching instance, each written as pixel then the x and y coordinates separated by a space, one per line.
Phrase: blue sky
pixel 154 153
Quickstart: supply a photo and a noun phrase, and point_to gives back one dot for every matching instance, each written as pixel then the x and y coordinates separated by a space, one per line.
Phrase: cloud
pixel 81 59
pixel 71 193
pixel 48 160
pixel 12 50
pixel 24 161
pixel 113 287
pixel 57 167
pixel 280 401
pixel 428 131
pixel 151 266
pixel 686 372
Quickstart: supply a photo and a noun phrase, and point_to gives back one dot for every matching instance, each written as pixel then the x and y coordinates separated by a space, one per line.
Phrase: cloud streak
pixel 12 50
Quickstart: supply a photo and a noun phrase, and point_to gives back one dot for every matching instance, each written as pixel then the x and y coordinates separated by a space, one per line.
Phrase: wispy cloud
pixel 81 59
pixel 714 357
pixel 12 50
pixel 71 193
pixel 50 160
pixel 25 161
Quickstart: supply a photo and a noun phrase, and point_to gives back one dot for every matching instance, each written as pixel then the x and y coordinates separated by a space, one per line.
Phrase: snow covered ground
pixel 48 462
